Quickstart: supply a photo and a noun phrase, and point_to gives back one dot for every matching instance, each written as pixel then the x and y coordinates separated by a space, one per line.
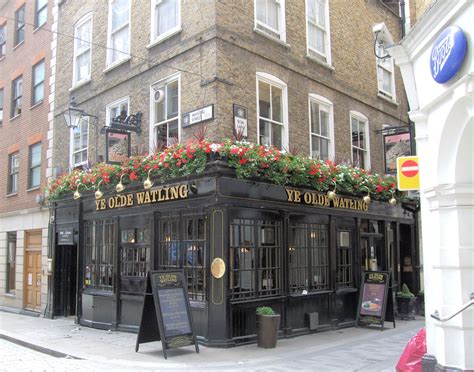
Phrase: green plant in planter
pixel 265 310
pixel 405 292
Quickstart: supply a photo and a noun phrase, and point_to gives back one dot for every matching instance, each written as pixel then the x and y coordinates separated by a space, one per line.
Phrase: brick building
pixel 25 55
pixel 303 74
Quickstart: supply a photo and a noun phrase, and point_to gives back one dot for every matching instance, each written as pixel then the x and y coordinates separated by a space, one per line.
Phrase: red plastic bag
pixel 410 361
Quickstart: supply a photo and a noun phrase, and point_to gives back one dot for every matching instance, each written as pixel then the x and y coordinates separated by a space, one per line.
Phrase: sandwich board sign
pixel 166 313
pixel 375 299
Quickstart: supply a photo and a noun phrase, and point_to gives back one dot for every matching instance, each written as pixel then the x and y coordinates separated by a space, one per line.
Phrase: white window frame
pixel 114 104
pixel 387 65
pixel 269 31
pixel 153 87
pixel 125 54
pixel 273 80
pixel 73 165
pixel 312 52
pixel 364 119
pixel 154 38
pixel 327 106
pixel 86 18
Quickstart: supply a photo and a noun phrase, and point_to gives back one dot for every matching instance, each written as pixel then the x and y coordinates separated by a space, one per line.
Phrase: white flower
pixel 215 147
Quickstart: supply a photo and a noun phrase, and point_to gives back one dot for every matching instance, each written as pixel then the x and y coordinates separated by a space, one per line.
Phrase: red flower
pixel 166 165
pixel 133 176
pixel 379 188
pixel 243 161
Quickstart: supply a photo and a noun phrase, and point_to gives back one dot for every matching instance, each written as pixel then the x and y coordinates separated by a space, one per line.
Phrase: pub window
pixel 135 259
pixel 308 258
pixel 344 269
pixel 371 227
pixel 99 244
pixel 11 260
pixel 182 245
pixel 255 258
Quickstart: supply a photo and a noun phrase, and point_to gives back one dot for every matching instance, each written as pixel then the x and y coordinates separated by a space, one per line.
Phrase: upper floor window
pixel 360 140
pixel 79 143
pixel 385 74
pixel 38 83
pixel 165 122
pixel 3 40
pixel 270 17
pixel 116 109
pixel 321 127
pixel 17 93
pixel 166 18
pixel 41 13
pixel 1 106
pixel 119 31
pixel 82 49
pixel 34 176
pixel 13 170
pixel 20 25
pixel 317 23
pixel 272 111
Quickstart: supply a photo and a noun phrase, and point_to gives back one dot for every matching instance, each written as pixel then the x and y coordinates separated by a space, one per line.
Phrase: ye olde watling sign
pixel 317 199
pixel 157 195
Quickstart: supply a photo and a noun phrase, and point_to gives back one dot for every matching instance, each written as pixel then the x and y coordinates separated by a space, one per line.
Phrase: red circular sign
pixel 409 168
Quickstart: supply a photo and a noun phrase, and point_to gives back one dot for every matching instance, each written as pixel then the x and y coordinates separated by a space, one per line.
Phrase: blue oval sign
pixel 448 54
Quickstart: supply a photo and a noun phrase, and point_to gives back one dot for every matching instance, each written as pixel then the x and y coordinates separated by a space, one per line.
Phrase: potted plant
pixel 268 323
pixel 406 302
pixel 421 302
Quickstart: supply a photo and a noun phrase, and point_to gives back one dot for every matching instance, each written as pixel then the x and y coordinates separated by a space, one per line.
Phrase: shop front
pixel 240 244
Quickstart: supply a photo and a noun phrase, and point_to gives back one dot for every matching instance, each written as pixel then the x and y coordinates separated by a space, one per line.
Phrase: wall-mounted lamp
pixel 120 187
pixel 392 200
pixel 332 193
pixel 77 194
pixel 73 115
pixel 98 193
pixel 148 184
pixel 366 198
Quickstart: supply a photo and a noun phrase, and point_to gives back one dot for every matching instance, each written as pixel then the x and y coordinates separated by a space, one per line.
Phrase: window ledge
pixel 79 84
pixel 319 62
pixel 313 293
pixel 14 117
pixel 11 295
pixel 12 194
pixel 385 98
pixel 39 103
pixel 35 188
pixel 19 44
pixel 270 37
pixel 117 64
pixel 37 28
pixel 164 37
pixel 2 58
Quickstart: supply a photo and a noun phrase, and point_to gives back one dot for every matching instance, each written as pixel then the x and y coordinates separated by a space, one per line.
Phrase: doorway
pixel 372 257
pixel 65 280
pixel 32 275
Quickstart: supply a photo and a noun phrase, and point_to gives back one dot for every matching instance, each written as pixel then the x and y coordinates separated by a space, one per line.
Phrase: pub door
pixel 372 255
pixel 65 280
pixel 133 263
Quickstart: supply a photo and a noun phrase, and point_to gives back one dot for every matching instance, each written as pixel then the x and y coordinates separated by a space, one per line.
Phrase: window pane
pixel 264 99
pixel 120 13
pixel 277 134
pixel 261 10
pixel 172 99
pixel 39 73
pixel 273 10
pixel 315 151
pixel 324 148
pixel 120 44
pixel 166 16
pixel 324 123
pixel 36 155
pixel 35 177
pixel 173 130
pixel 265 133
pixel 277 105
pixel 41 17
pixel 315 125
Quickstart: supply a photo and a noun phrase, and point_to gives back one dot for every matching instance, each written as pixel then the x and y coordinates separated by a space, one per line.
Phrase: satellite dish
pixel 158 95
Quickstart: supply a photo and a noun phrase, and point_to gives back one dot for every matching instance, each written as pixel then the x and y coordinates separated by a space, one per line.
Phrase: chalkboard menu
pixel 375 299
pixel 166 314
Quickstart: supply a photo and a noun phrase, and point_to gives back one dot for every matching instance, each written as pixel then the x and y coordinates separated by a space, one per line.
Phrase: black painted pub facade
pixel 289 248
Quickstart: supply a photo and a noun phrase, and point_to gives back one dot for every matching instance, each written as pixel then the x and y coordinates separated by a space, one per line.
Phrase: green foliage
pixel 265 310
pixel 249 160
pixel 405 292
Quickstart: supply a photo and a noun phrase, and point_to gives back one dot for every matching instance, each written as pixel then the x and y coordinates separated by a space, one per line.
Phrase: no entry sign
pixel 408 174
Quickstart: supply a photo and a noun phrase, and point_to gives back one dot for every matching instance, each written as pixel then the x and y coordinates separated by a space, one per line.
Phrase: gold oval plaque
pixel 218 268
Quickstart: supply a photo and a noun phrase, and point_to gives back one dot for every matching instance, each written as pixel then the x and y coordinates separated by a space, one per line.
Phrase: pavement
pixel 34 343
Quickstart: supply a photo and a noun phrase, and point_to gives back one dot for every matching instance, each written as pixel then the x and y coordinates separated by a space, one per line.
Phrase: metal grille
pixel 255 258
pixel 169 255
pixel 345 276
pixel 99 244
pixel 135 259
pixel 308 257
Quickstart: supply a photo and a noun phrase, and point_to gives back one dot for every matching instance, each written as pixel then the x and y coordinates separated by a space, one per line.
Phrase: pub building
pixel 240 243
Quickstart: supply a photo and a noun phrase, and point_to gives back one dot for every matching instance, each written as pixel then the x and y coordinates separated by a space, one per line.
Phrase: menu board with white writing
pixel 174 312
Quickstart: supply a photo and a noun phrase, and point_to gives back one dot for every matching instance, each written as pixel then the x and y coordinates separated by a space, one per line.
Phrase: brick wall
pixel 18 133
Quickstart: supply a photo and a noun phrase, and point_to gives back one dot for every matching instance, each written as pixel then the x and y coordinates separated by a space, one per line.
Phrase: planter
pixel 406 307
pixel 267 330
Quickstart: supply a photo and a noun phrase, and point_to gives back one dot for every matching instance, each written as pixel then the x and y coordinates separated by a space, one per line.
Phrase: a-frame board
pixel 375 299
pixel 166 313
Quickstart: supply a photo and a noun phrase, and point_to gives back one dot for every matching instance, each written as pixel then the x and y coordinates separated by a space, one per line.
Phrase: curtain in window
pixel 166 14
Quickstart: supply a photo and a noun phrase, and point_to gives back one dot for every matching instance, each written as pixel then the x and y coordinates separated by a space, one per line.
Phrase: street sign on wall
pixel 408 174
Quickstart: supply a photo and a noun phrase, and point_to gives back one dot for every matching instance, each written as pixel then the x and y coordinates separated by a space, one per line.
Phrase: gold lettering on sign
pixel 168 278
pixel 143 197
pixel 317 199
pixel 376 277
